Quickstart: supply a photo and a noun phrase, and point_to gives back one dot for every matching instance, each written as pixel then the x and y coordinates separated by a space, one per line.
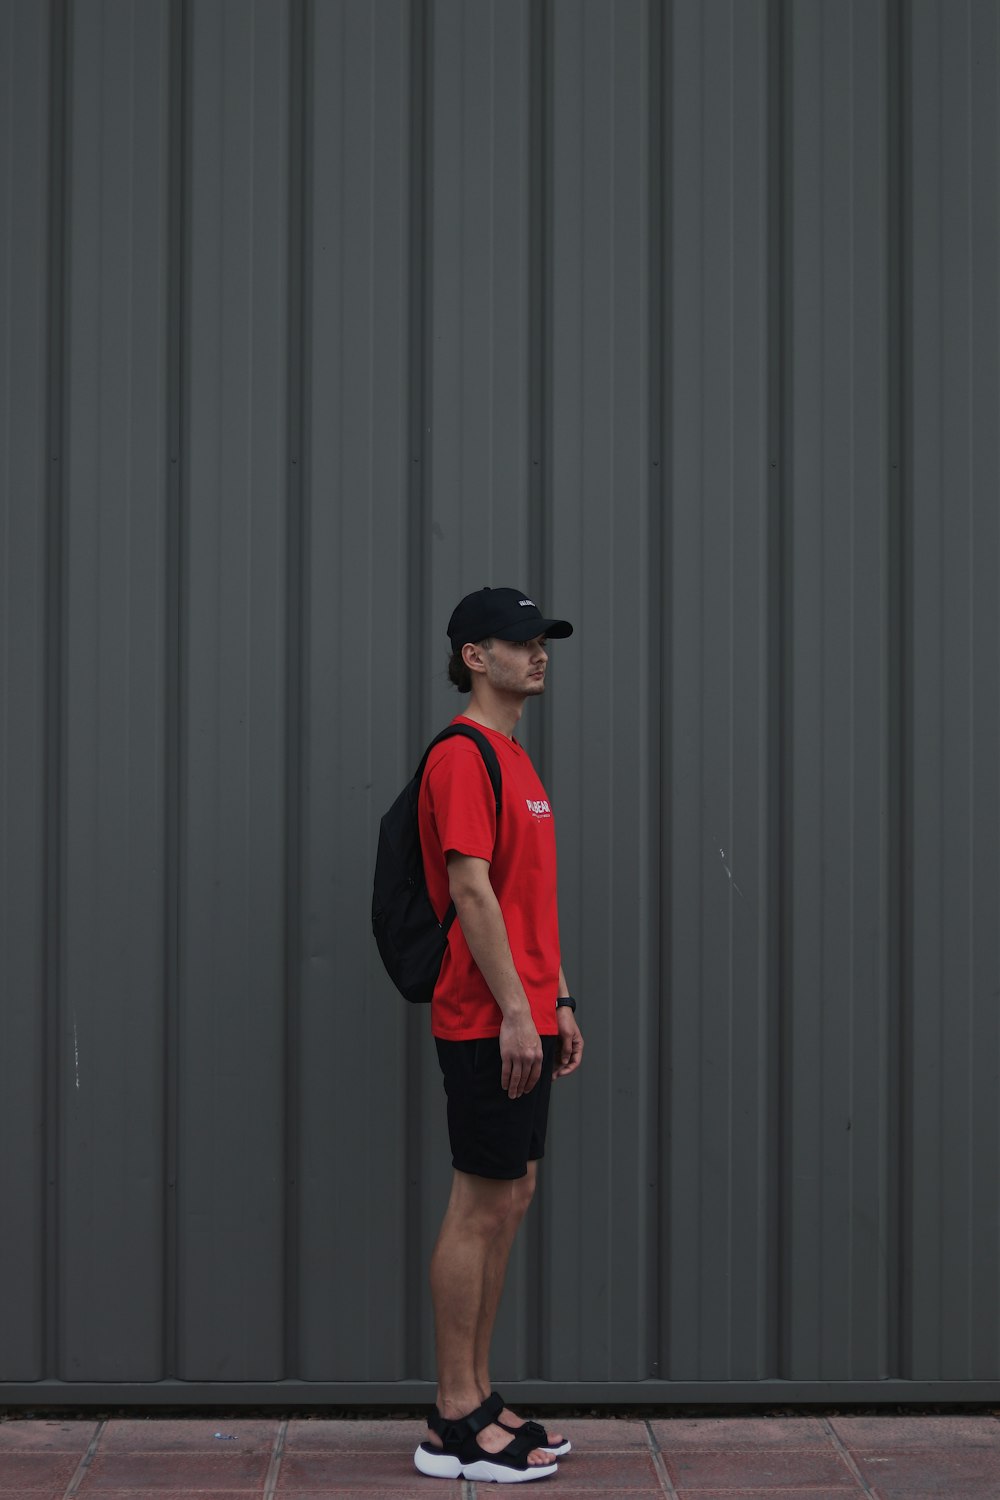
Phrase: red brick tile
pixel 561 1490
pixel 172 1471
pixel 344 1473
pixel 162 1494
pixel 933 1471
pixel 36 1435
pixel 421 1489
pixel 718 1434
pixel 962 1490
pixel 328 1436
pixel 168 1435
pixel 44 1494
pixel 890 1434
pixel 341 1472
pixel 774 1469
pixel 783 1493
pixel 602 1473
pixel 36 1471
pixel 594 1435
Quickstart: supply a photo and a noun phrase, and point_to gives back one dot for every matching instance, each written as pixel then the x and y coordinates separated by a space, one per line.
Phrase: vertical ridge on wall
pixel 897 637
pixel 354 1119
pixel 178 217
pixel 778 656
pixel 419 476
pixel 29 141
pixel 232 973
pixel 657 684
pixel 55 706
pixel 419 356
pixel 839 1044
pixel 111 990
pixel 907 1180
pixel 54 651
pixel 721 1013
pixel 601 733
pixel 297 604
pixel 953 1241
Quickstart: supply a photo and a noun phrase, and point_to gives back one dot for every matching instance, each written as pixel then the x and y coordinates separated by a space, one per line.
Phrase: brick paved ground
pixel 705 1458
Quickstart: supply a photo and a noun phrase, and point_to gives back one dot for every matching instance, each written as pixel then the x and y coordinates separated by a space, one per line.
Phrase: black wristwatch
pixel 566 1000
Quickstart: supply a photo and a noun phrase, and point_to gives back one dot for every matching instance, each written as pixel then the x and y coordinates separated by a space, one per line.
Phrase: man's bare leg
pixel 477 1217
pixel 496 1272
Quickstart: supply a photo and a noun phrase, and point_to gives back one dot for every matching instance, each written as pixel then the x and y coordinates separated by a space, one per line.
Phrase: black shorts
pixel 491 1134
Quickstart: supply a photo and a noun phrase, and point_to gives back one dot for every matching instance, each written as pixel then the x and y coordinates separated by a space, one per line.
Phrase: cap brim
pixel 555 629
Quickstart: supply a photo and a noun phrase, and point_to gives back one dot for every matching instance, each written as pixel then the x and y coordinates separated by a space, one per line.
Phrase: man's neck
pixel 494 712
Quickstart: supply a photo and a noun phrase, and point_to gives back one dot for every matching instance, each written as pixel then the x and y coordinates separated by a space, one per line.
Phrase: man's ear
pixel 472 655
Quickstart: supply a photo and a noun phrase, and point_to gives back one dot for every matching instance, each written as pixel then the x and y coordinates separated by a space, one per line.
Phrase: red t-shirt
pixel 457 811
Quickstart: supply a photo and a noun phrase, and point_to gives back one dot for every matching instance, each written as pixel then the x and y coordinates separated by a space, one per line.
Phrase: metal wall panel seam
pixel 779 666
pixel 903 310
pixel 922 1120
pixel 25 477
pixel 116 367
pixel 178 226
pixel 838 431
pixel 420 389
pixel 954 795
pixel 55 728
pixel 233 888
pixel 359 477
pixel 984 874
pixel 897 356
pixel 296 645
pixel 658 912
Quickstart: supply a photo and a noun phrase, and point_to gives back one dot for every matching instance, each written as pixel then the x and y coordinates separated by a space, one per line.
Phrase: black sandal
pixel 460 1456
pixel 537 1432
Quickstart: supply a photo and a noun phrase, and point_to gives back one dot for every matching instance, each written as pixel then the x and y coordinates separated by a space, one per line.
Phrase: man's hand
pixel 520 1054
pixel 569 1048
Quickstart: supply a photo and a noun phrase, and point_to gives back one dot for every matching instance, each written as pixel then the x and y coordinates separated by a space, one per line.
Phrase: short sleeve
pixel 460 800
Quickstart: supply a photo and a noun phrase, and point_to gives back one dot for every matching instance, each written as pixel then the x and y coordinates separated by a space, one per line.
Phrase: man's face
pixel 517 666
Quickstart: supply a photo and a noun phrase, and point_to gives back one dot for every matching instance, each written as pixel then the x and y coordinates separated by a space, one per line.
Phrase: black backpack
pixel 410 938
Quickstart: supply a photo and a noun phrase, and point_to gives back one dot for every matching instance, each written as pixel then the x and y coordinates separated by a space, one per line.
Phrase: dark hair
pixel 458 672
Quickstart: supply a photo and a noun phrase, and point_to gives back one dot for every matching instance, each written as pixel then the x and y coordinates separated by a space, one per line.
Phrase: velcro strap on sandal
pixel 483 1415
pixel 513 1456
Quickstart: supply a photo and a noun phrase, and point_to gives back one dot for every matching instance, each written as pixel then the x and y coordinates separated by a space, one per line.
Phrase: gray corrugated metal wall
pixel 317 313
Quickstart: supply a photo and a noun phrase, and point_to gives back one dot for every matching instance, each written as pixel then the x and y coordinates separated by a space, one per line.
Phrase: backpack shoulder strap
pixel 486 750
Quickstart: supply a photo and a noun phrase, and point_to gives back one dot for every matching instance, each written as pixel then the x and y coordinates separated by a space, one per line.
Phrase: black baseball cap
pixel 508 614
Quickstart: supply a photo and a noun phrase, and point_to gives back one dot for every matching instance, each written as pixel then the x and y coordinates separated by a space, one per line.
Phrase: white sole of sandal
pixel 447 1466
pixel 437 1465
pixel 500 1474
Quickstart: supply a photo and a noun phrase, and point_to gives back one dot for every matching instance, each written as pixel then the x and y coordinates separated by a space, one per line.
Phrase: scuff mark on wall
pixel 722 855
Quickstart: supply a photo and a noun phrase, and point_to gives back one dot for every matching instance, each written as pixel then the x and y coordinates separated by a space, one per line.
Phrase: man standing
pixel 502 1018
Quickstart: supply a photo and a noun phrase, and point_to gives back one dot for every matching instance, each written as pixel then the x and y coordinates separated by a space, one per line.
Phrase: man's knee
pixel 484 1205
pixel 524 1191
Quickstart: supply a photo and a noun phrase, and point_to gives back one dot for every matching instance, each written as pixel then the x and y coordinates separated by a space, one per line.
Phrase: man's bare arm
pixel 478 912
pixel 570 1053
